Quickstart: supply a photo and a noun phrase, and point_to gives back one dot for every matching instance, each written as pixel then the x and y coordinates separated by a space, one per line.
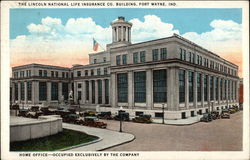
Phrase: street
pixel 218 135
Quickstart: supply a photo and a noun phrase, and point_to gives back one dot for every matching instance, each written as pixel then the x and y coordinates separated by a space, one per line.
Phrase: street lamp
pixel 120 115
pixel 163 113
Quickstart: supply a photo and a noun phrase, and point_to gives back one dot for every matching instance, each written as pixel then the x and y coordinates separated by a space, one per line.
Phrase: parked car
pixel 104 115
pixel 23 112
pixel 14 107
pixel 232 110
pixel 225 114
pixel 72 110
pixel 215 115
pixel 89 113
pixel 70 118
pixel 143 118
pixel 47 111
pixel 122 115
pixel 34 112
pixel 207 117
pixel 94 122
pixel 62 112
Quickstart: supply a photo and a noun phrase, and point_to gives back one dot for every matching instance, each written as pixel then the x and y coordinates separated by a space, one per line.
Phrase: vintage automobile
pixel 23 112
pixel 34 112
pixel 225 113
pixel 72 110
pixel 232 110
pixel 215 115
pixel 89 113
pixel 104 115
pixel 92 121
pixel 143 118
pixel 207 117
pixel 62 112
pixel 47 111
pixel 80 121
pixel 14 107
pixel 122 115
pixel 70 118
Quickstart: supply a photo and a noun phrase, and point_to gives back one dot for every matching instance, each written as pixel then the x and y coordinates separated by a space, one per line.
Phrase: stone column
pixel 90 91
pixel 172 89
pixel 13 92
pixel 83 92
pixel 117 33
pixel 208 89
pixel 223 92
pixel 227 92
pixel 96 92
pixel 113 89
pixel 186 90
pixel 113 34
pixel 149 89
pixel 214 83
pixel 130 90
pixel 19 92
pixel 103 91
pixel 122 31
pixel 219 79
pixel 195 91
pixel 35 92
pixel 48 92
pixel 126 34
pixel 202 90
pixel 75 92
pixel 237 90
pixel 25 93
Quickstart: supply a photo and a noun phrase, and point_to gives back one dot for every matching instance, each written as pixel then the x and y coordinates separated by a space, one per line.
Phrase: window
pixel 216 88
pixel 105 71
pixel 22 91
pixel 211 88
pixel 56 74
pixel 155 54
pixel 198 87
pixel 228 90
pixel 78 73
pixel 52 73
pixel 104 59
pixel 15 74
pixel 79 95
pixel 163 53
pixel 182 54
pixel 79 85
pixel 93 91
pixel 142 56
pixel 45 73
pixel 124 59
pixel 65 90
pixel 86 72
pixel 225 89
pixel 40 73
pixel 98 71
pixel 16 91
pixel 29 91
pixel 42 91
pixel 160 86
pixel 54 91
pixel 135 57
pixel 94 61
pixel 63 75
pixel 87 90
pixel 181 86
pixel 118 60
pixel 122 87
pixel 92 72
pixel 205 87
pixel 191 86
pixel 106 91
pixel 158 114
pixel 99 82
pixel 140 87
pixel 67 75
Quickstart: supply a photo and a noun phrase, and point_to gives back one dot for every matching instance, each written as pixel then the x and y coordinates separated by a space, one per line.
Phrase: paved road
pixel 218 135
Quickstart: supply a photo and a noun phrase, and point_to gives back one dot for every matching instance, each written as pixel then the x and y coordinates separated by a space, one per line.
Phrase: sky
pixel 64 37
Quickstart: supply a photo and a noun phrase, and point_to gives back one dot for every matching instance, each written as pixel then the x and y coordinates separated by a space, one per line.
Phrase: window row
pixel 22 74
pixel 92 73
pixel 199 60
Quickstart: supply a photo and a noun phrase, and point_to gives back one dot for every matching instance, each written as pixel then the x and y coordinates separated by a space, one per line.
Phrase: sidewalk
pixel 188 121
pixel 107 137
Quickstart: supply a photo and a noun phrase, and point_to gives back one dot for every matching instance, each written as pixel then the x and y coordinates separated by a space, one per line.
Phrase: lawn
pixel 64 139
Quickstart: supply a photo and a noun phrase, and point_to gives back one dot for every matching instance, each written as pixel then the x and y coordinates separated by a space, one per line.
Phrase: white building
pixel 175 72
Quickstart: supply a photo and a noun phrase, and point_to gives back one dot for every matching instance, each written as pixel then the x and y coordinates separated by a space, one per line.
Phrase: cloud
pixel 72 41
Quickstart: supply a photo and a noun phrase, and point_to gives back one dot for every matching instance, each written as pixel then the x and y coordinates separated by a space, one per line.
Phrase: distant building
pixel 241 93
pixel 142 77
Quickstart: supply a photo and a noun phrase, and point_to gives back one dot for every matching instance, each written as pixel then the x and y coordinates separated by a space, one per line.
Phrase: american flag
pixel 95 45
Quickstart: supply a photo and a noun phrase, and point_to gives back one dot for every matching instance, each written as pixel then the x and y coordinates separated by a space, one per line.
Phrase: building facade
pixel 171 72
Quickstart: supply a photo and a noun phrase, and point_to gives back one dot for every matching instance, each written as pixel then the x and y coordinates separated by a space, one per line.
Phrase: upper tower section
pixel 121 32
